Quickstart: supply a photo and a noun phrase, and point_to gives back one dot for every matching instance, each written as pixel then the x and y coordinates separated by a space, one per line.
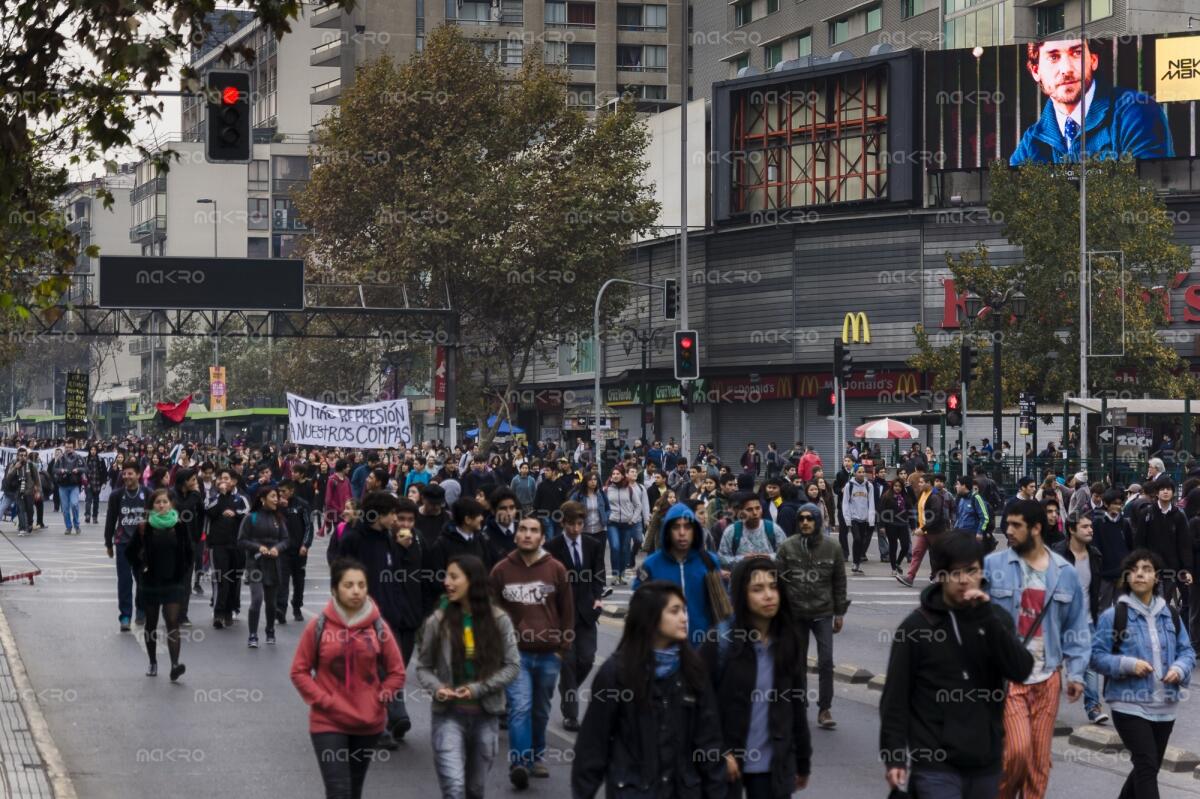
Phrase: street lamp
pixel 216 327
pixel 1016 303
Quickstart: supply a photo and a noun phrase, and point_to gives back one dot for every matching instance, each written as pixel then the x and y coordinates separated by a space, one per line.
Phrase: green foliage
pixel 1038 207
pixel 464 184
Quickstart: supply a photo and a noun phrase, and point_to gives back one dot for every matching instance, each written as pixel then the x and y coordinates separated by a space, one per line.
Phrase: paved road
pixel 235 724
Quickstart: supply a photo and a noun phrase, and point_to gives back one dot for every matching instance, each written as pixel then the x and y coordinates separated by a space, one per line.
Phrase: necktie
pixel 1072 131
pixel 575 555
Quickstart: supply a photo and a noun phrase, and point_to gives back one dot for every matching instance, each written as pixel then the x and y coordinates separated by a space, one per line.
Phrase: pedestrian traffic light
pixel 826 403
pixel 969 361
pixel 670 299
pixel 685 397
pixel 954 417
pixel 687 355
pixel 228 128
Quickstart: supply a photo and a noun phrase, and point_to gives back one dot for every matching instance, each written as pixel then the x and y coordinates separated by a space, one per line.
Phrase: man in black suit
pixel 584 559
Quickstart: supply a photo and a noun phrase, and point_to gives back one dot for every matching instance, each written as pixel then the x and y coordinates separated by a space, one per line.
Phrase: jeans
pixel 70 505
pixel 576 666
pixel 343 760
pixel 24 505
pixel 291 573
pixel 464 746
pixel 861 531
pixel 884 544
pixel 937 784
pixel 1146 742
pixel 822 630
pixel 529 698
pixel 620 541
pixel 124 583
pixel 91 505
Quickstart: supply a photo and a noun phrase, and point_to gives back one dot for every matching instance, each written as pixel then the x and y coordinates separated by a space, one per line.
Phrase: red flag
pixel 174 413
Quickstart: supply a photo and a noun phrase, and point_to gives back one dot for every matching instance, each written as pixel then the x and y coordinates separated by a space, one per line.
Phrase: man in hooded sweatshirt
pixel 812 571
pixel 535 592
pixel 681 559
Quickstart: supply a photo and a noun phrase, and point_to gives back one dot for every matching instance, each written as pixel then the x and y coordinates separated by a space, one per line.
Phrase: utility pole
pixel 685 424
pixel 1084 55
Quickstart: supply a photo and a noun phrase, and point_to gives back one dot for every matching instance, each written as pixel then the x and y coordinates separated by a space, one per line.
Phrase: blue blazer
pixel 1119 121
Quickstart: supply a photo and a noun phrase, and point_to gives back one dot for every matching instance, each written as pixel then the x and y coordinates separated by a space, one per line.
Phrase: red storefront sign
pixel 860 386
pixel 768 387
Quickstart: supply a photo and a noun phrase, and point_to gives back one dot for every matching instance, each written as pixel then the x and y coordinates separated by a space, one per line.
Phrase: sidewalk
pixel 30 762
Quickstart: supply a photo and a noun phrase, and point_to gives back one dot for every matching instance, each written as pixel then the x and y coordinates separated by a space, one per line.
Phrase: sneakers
pixel 252 642
pixel 124 624
pixel 1097 716
pixel 280 617
pixel 386 741
pixel 570 724
pixel 825 720
pixel 177 671
pixel 519 777
pixel 198 589
pixel 540 771
pixel 217 623
pixel 401 728
pixel 152 669
pixel 271 638
pixel 903 580
pixel 297 615
pixel 140 620
pixel 185 622
pixel 856 569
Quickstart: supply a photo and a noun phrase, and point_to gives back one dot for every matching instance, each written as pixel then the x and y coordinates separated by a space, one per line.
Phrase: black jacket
pixel 222 529
pixel 587 584
pixel 167 558
pixel 429 528
pixel 125 512
pixel 261 528
pixel 621 744
pixel 735 683
pixel 191 512
pixel 394 573
pixel 1114 540
pixel 548 497
pixel 1164 533
pixel 299 524
pixel 449 544
pixel 1094 559
pixel 500 541
pixel 943 702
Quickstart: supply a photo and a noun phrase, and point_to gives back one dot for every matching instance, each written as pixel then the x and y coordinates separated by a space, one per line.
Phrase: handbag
pixel 718 600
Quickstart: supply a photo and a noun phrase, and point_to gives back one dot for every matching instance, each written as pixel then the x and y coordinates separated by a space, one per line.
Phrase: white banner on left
pixel 376 425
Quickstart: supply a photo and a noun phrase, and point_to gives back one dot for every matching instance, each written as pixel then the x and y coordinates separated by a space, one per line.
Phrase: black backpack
pixel 1121 622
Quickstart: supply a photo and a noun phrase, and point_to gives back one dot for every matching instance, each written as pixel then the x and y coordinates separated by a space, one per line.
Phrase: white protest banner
pixel 8 456
pixel 376 425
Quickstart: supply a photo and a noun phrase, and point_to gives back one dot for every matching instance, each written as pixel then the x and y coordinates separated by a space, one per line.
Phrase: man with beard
pixel 1041 592
pixel 1120 122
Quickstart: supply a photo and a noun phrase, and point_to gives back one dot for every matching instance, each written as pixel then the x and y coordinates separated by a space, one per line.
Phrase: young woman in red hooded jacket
pixel 347 668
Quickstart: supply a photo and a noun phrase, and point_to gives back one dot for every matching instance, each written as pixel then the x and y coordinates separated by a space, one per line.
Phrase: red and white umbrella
pixel 885 428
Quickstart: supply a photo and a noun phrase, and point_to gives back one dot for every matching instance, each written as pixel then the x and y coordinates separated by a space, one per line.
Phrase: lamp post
pixel 216 329
pixel 1015 303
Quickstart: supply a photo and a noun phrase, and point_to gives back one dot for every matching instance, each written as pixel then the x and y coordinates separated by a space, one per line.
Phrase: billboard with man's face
pixel 1027 102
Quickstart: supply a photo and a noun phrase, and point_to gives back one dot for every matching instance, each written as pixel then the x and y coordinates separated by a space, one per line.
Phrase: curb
pixel 56 772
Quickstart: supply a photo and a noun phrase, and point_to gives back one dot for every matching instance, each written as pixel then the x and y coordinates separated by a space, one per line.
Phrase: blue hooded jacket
pixel 689 575
pixel 1119 121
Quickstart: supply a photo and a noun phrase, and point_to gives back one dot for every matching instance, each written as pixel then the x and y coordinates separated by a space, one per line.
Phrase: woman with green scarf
pixel 161 558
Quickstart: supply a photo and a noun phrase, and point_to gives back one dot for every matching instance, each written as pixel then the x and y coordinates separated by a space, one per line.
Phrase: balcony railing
pixel 144 229
pixel 156 186
pixel 142 345
pixel 287 185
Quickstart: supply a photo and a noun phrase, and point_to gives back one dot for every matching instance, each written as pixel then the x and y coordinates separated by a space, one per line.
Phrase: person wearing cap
pixel 432 517
pixel 1162 528
pixel 1080 502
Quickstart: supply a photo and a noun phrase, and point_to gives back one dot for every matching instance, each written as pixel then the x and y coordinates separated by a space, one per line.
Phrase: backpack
pixel 319 630
pixel 1121 621
pixel 737 536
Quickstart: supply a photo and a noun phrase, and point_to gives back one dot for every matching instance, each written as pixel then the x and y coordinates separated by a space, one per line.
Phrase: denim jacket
pixel 1123 685
pixel 1065 626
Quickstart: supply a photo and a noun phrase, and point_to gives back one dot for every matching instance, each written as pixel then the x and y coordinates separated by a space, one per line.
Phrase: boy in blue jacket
pixel 681 559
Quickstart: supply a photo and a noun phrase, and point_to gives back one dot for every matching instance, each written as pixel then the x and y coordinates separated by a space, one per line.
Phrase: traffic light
pixel 839 357
pixel 228 100
pixel 687 355
pixel 847 365
pixel 826 403
pixel 969 361
pixel 670 299
pixel 685 397
pixel 954 417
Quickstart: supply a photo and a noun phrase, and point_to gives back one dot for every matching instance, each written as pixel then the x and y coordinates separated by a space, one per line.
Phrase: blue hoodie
pixel 689 575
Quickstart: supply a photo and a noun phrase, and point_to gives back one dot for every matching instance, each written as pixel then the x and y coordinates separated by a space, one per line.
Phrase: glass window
pixel 803 45
pixel 258 247
pixel 772 6
pixel 910 8
pixel 581 95
pixel 743 14
pixel 655 17
pixel 581 55
pixel 555 53
pixel 839 31
pixel 556 13
pixel 655 92
pixel 258 213
pixel 1098 9
pixel 741 62
pixel 488 50
pixel 581 14
pixel 874 18
pixel 475 12
pixel 773 54
pixel 629 17
pixel 629 56
pixel 1050 20
pixel 513 52
pixel 512 12
pixel 656 57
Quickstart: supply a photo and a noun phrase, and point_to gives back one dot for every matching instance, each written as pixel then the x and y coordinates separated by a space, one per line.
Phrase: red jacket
pixel 337 491
pixel 808 462
pixel 346 694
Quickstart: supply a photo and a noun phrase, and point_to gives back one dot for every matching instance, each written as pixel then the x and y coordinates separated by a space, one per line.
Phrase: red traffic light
pixel 833 398
pixel 686 342
pixel 230 95
pixel 952 402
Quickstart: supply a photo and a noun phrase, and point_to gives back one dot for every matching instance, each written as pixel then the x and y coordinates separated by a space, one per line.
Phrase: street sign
pixel 1135 437
pixel 216 382
pixel 75 415
pixel 1106 435
pixel 235 284
pixel 1028 409
pixel 1114 416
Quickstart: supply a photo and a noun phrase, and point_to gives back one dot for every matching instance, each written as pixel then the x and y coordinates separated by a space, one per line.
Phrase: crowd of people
pixel 484 574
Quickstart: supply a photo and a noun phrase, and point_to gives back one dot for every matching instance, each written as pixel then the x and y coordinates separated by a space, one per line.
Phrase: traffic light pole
pixel 837 414
pixel 685 423
pixel 599 366
pixel 962 433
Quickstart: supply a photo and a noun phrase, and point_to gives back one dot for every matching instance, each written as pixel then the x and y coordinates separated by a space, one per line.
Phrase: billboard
pixel 75 414
pixel 1023 103
pixel 243 284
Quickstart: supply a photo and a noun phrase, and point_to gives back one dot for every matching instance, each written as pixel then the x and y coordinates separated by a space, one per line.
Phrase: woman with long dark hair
pixel 758 674
pixel 595 503
pixel 161 558
pixel 468 654
pixel 1141 645
pixel 651 729
pixel 895 514
pixel 263 537
pixel 347 667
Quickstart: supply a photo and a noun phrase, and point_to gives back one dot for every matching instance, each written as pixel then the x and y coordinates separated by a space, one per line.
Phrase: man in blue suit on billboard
pixel 1119 121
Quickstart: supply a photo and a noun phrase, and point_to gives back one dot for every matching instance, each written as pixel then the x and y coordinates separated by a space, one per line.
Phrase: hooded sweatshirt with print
pixel 538 598
pixel 346 694
pixel 689 574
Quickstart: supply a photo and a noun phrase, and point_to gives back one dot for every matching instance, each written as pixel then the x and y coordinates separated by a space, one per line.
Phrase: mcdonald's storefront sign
pixel 766 387
pixel 856 327
pixel 860 386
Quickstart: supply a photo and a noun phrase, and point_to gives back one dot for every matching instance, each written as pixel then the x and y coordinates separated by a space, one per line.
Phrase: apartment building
pixel 765 34
pixel 609 48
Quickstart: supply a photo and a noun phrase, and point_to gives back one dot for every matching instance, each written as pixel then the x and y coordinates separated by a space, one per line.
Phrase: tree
pixel 66 69
pixel 1038 206
pixel 487 192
